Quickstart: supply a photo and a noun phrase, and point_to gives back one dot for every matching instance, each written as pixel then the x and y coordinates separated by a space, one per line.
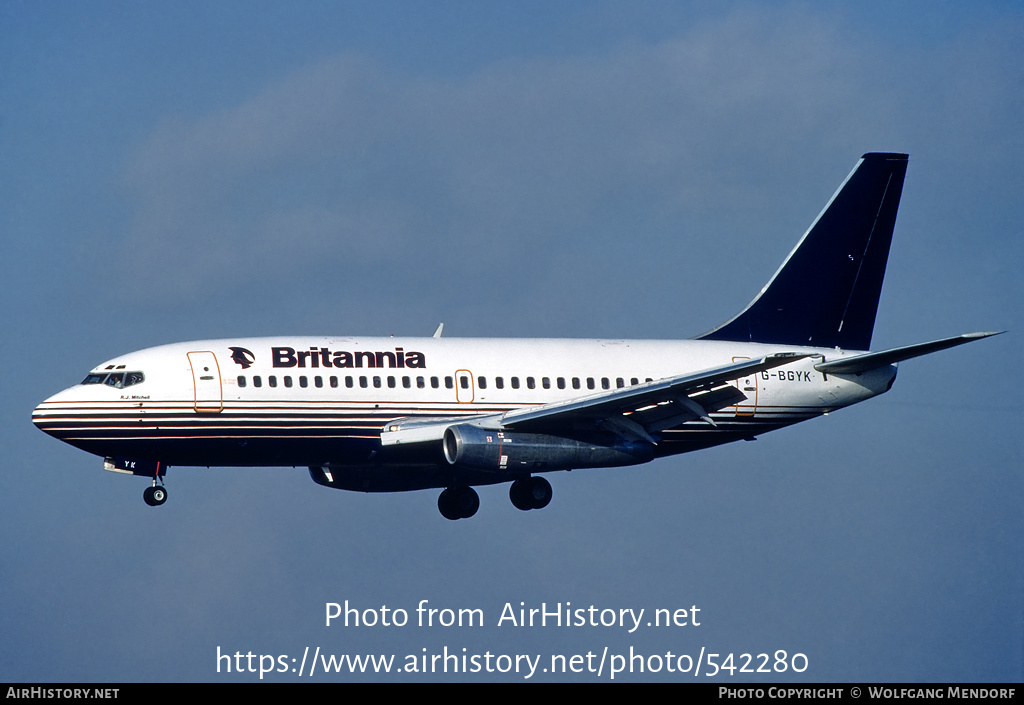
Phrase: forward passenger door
pixel 206 382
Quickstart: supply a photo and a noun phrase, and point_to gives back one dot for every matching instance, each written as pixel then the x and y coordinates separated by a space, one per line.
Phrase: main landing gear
pixel 530 493
pixel 526 493
pixel 155 495
pixel 458 503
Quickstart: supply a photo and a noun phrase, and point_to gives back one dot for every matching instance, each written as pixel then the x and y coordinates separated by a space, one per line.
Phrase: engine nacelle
pixel 514 452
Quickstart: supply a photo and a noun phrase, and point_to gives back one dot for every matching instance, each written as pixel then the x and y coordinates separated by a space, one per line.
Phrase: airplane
pixel 386 414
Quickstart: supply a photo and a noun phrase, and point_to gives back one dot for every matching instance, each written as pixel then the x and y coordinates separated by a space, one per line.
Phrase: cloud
pixel 348 170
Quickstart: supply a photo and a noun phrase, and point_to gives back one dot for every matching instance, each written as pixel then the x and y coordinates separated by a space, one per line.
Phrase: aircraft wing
pixel 635 412
pixel 648 408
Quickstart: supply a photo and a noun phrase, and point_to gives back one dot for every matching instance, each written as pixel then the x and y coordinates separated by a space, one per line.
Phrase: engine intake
pixel 509 451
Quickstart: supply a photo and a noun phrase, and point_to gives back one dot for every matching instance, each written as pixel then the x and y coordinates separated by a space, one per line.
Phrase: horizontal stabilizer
pixel 870 361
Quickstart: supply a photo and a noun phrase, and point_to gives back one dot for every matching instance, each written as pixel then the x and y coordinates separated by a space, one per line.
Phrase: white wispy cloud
pixel 347 164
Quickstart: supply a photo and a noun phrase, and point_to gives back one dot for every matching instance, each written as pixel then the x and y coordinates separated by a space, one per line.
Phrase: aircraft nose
pixel 39 417
pixel 45 416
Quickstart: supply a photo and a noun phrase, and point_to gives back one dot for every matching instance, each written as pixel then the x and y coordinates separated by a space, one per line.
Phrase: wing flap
pixel 683 409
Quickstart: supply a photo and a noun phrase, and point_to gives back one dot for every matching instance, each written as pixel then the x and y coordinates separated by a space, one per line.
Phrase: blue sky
pixel 586 169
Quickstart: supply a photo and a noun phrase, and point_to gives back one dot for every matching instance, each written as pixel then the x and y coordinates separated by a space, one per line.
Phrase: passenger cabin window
pixel 119 379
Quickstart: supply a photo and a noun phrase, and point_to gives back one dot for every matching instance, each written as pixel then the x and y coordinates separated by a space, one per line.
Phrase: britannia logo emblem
pixel 243 357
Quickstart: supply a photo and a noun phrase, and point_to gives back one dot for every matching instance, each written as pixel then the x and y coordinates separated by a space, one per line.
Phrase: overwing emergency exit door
pixel 465 391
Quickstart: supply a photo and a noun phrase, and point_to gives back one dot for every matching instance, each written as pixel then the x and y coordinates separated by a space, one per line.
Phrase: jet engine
pixel 473 447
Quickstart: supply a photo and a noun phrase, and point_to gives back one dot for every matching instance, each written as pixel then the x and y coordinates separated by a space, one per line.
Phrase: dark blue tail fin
pixel 826 292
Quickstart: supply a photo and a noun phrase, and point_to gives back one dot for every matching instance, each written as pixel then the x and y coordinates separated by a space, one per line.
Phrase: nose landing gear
pixel 155 495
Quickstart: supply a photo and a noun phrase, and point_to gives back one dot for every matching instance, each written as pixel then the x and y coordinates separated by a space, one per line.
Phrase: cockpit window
pixel 118 380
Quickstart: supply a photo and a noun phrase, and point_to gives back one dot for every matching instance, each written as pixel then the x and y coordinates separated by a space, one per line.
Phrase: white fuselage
pixel 306 401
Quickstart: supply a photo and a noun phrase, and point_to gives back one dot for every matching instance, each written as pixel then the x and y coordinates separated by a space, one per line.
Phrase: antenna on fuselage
pixel 440 327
